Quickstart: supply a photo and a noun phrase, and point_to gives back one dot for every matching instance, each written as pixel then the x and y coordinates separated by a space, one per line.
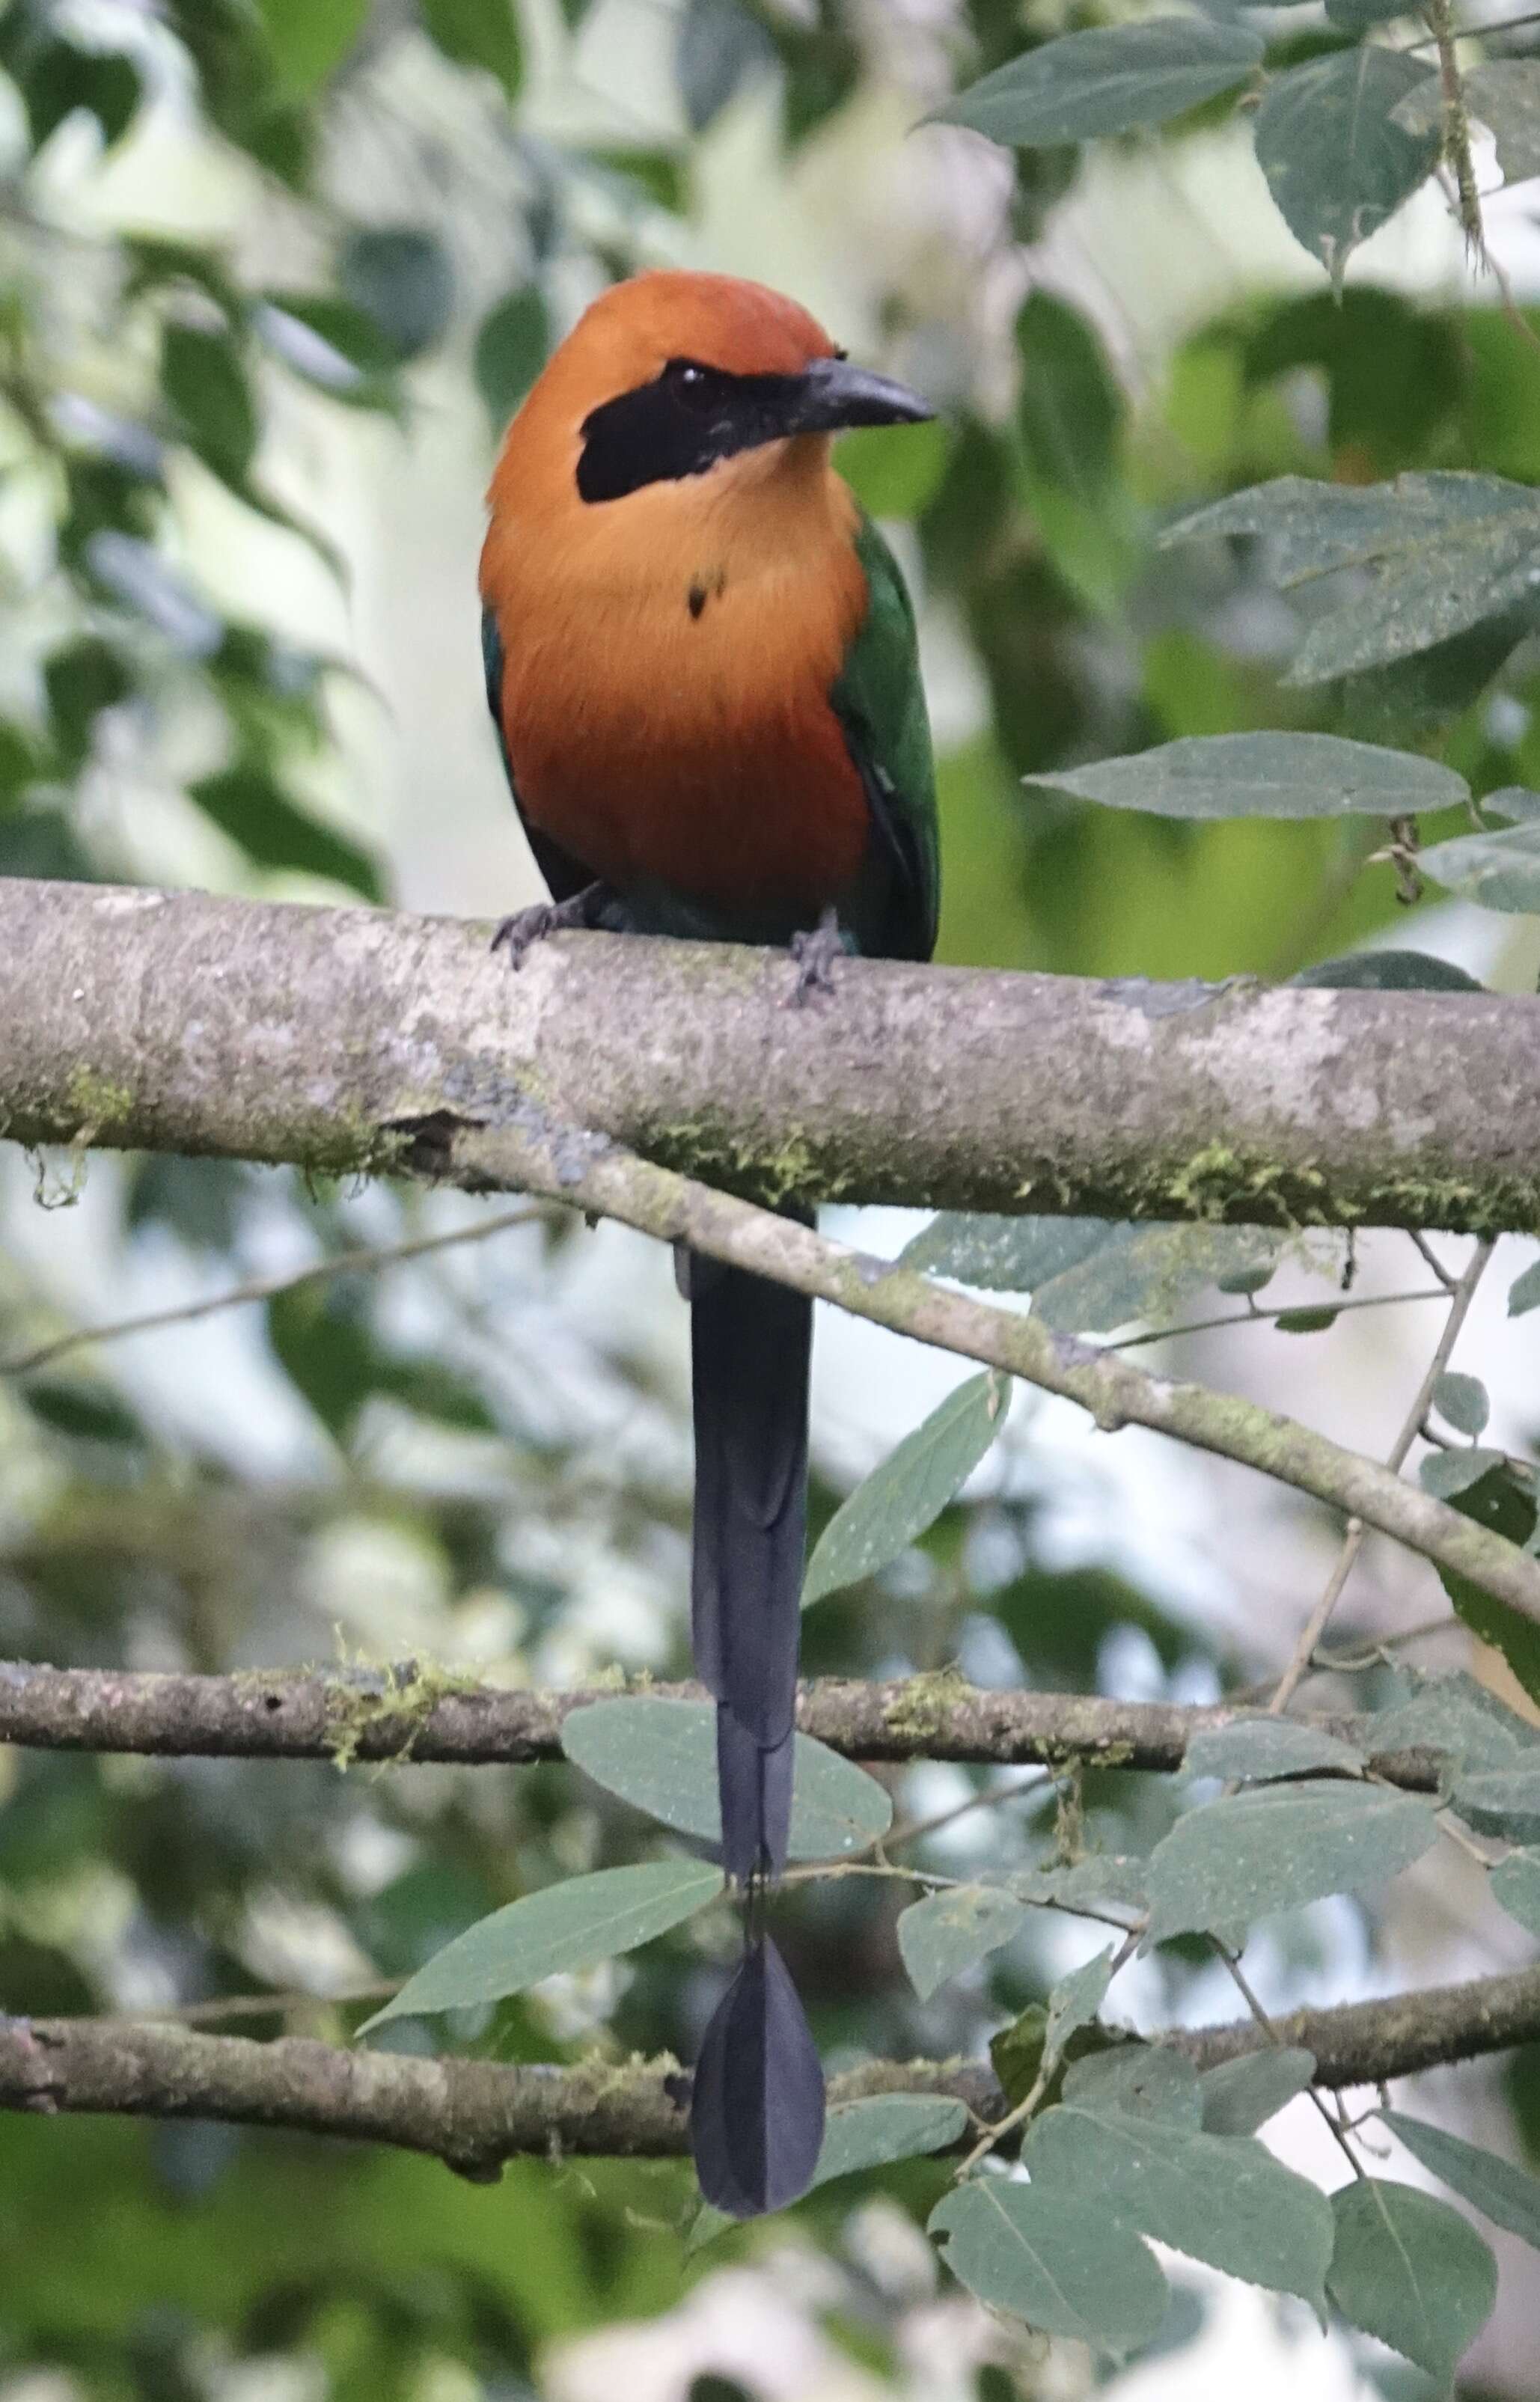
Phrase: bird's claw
pixel 815 952
pixel 518 934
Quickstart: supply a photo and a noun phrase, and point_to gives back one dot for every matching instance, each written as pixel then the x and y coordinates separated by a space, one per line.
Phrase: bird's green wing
pixel 879 700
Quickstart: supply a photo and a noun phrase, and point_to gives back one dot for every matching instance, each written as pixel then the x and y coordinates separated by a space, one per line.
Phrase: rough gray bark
pixel 188 1023
pixel 473 2114
pixel 305 1716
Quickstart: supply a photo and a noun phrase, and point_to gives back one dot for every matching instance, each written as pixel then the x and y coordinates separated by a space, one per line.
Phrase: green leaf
pixel 1139 2080
pixel 1500 868
pixel 1509 2196
pixel 205 385
pixel 1304 1321
pixel 949 1932
pixel 870 2133
pixel 1252 1855
pixel 1506 95
pixel 512 347
pixel 81 680
pixel 1090 1275
pixel 1463 1400
pixel 1497 1501
pixel 1337 162
pixel 718 46
pixel 1447 1473
pixel 1502 1801
pixel 1263 776
pixel 1085 1884
pixel 400 277
pixel 564 1927
pixel 1388 971
pixel 86 1412
pixel 1524 1292
pixel 310 38
pixel 1356 15
pixel 907 1493
pixel 1251 1750
pixel 1516 1886
pixel 478 34
pixel 1453 1716
pixel 660 1756
pixel 1105 80
pixel 245 803
pixel 1222 2199
pixel 1073 2004
pixel 1451 551
pixel 1241 2095
pixel 1410 2271
pixel 1057 2261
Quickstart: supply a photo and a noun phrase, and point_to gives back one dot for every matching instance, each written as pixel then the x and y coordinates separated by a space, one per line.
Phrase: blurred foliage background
pixel 272 275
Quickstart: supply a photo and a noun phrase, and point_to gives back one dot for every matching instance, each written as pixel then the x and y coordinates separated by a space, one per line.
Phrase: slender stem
pixel 1464 1293
pixel 1427 1253
pixel 1259 1317
pixel 364 1259
pixel 1242 1986
pixel 1456 128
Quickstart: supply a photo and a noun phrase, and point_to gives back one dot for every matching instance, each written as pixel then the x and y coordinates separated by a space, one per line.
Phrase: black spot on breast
pixel 697 598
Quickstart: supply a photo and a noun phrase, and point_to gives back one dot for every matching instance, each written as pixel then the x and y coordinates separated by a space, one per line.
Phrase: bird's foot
pixel 814 952
pixel 518 934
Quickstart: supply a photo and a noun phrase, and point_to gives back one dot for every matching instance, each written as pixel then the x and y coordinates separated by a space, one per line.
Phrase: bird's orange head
pixel 670 378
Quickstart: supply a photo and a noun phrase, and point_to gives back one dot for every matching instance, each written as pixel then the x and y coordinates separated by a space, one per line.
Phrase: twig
pixel 1261 1316
pixel 366 1260
pixel 1456 127
pixel 1243 1987
pixel 1463 1294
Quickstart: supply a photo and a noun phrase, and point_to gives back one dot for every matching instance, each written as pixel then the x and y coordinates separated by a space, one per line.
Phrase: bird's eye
pixel 692 383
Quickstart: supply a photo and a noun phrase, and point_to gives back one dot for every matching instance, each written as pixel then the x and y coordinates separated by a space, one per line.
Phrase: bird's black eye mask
pixel 691 417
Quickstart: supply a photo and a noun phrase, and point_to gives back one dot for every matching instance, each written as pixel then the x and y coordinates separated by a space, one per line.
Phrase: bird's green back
pixel 879 700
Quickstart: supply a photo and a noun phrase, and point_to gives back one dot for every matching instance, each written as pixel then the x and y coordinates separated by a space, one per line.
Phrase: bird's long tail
pixel 757 2117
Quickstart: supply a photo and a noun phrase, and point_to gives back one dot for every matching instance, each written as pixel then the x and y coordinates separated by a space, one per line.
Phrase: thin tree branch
pixel 142 1020
pixel 1462 1293
pixel 407 1714
pixel 368 1261
pixel 474 2114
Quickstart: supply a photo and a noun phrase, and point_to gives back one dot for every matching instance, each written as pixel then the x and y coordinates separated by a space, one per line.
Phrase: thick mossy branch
pixel 331 1038
pixel 474 2114
pixel 410 1713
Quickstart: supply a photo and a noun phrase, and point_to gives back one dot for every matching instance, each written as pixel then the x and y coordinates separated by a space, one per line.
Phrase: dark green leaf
pixel 88 1413
pixel 565 1926
pixel 1463 1402
pixel 911 1488
pixel 511 349
pixel 1085 1884
pixel 1263 774
pixel 478 34
pixel 1221 2199
pixel 949 1932
pixel 1524 1292
pixel 1304 1321
pixel 1105 80
pixel 82 680
pixel 1453 1716
pixel 400 277
pixel 1248 1856
pixel 1056 2261
pixel 1251 1750
pixel 1356 15
pixel 1388 971
pixel 1410 2271
pixel 1073 2004
pixel 660 1756
pixel 57 77
pixel 245 804
pixel 1515 1885
pixel 1509 2196
pixel 1241 2095
pixel 1337 162
pixel 1498 1500
pixel 205 385
pixel 1502 1801
pixel 870 2133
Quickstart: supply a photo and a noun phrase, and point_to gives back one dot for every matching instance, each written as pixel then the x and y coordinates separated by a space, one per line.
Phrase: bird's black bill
pixel 757 2110
pixel 690 418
